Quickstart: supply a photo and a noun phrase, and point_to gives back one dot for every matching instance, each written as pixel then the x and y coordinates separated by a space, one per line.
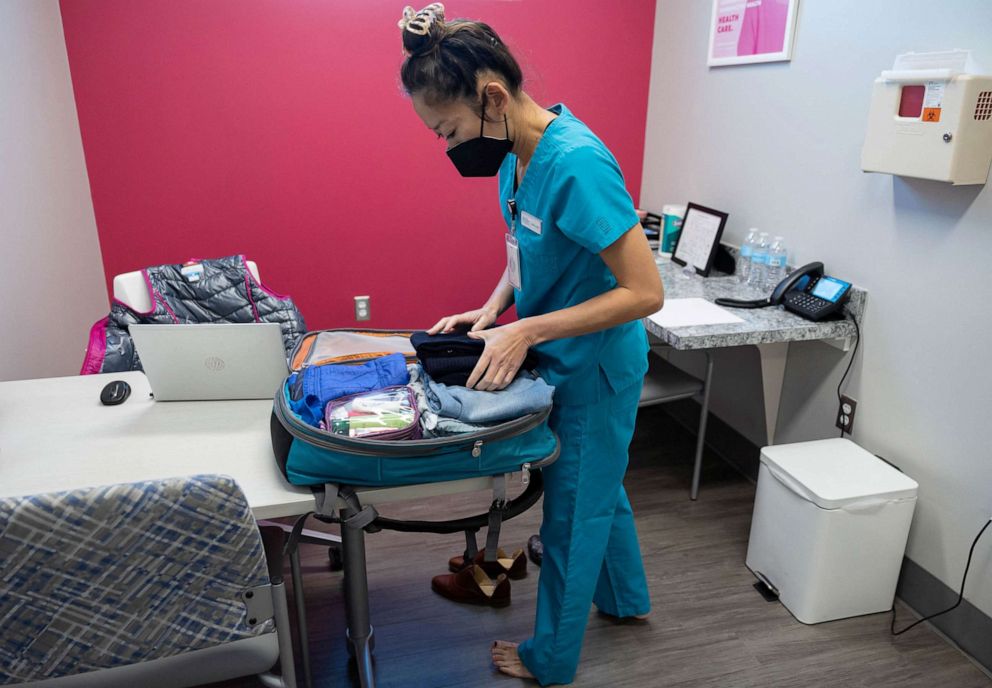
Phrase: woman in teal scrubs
pixel 581 275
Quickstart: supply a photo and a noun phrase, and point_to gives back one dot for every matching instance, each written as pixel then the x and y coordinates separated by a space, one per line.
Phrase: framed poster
pixel 746 31
pixel 700 238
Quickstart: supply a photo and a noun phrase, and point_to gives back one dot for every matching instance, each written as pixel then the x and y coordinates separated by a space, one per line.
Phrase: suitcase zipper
pixel 369 447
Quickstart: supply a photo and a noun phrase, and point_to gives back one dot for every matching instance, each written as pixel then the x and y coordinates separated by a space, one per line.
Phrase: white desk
pixel 769 329
pixel 56 435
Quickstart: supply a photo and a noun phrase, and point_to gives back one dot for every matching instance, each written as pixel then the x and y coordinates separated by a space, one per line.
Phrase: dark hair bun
pixel 422 30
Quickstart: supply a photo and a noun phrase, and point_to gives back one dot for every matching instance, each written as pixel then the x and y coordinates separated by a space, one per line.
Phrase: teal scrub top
pixel 571 205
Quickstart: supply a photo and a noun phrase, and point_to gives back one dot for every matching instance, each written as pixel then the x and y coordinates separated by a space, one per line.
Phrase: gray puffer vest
pixel 225 291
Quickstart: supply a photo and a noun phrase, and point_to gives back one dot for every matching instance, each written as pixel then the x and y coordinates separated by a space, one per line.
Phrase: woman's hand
pixel 479 319
pixel 506 349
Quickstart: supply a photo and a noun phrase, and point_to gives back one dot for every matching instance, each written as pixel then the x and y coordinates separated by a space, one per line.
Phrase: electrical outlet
pixel 845 413
pixel 362 309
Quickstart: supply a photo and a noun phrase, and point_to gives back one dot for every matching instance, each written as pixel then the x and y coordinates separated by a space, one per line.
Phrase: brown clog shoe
pixel 515 566
pixel 473 586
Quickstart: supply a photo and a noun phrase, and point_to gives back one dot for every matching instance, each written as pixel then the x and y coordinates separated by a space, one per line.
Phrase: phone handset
pixel 797 279
pixel 793 279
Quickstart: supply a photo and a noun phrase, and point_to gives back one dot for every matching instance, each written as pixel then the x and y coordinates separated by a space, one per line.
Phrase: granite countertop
pixel 760 326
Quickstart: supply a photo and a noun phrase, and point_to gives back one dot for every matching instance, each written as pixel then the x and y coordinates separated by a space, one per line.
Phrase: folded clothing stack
pixel 525 395
pixel 314 386
pixel 450 358
pixel 385 399
pixel 453 410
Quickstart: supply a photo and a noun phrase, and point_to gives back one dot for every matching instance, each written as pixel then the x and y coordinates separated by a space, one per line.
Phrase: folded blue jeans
pixel 526 394
pixel 431 424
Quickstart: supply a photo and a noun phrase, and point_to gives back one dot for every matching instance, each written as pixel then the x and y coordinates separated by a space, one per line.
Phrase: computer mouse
pixel 115 392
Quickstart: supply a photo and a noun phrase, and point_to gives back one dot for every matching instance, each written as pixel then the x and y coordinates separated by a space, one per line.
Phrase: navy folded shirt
pixel 450 358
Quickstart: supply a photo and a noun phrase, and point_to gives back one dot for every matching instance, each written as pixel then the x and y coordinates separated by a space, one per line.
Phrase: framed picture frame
pixel 699 240
pixel 749 31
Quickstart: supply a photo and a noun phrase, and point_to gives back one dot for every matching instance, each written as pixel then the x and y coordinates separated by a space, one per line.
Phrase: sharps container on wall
pixel 671 227
pixel 829 528
pixel 931 118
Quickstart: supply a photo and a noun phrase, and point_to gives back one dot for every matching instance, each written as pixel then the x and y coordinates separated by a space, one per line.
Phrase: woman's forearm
pixel 639 293
pixel 612 308
pixel 501 298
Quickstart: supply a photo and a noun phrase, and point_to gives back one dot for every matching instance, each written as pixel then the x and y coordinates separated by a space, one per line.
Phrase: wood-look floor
pixel 709 627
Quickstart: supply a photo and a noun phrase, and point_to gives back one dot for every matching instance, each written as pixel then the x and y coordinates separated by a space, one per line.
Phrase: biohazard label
pixel 933 100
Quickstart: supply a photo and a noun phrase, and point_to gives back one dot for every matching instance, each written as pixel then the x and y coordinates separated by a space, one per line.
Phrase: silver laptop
pixel 212 361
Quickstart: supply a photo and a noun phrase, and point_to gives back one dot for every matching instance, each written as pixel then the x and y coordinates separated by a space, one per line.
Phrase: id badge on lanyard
pixel 513 262
pixel 513 249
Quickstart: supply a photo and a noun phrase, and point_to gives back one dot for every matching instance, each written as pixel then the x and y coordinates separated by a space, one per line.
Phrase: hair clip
pixel 420 22
pixel 408 14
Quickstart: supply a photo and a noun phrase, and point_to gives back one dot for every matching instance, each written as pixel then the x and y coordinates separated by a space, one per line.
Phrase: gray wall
pixel 47 228
pixel 778 147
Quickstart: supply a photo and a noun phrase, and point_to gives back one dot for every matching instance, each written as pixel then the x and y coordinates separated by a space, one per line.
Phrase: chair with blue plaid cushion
pixel 159 583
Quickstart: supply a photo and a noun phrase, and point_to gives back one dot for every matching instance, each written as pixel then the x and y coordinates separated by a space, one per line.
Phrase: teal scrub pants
pixel 591 553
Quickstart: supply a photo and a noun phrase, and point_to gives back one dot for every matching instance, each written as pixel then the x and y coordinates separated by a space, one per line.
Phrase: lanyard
pixel 511 205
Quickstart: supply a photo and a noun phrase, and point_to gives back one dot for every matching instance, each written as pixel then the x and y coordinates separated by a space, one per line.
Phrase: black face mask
pixel 482 156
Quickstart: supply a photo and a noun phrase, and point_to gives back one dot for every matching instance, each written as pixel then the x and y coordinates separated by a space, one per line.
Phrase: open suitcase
pixel 333 465
pixel 308 455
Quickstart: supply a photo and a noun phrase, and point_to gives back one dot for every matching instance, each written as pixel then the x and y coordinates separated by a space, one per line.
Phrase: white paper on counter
pixel 692 312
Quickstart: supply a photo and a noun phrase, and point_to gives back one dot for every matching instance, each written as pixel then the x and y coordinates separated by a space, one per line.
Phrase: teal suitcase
pixel 308 455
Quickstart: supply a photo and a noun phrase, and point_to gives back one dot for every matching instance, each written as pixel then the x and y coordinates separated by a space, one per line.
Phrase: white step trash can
pixel 829 528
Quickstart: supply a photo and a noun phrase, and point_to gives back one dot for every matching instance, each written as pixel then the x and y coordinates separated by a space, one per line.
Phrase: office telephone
pixel 806 291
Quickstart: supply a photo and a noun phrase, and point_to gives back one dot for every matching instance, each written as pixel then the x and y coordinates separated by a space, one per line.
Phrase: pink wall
pixel 277 129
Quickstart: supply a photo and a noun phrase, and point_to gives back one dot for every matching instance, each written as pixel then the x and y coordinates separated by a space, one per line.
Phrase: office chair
pixel 158 584
pixel 664 383
pixel 131 289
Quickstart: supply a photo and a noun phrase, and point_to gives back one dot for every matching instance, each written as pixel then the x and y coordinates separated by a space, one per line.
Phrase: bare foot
pixel 625 619
pixel 507 660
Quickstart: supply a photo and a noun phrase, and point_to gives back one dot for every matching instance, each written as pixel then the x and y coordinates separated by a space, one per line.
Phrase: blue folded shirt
pixel 526 394
pixel 321 384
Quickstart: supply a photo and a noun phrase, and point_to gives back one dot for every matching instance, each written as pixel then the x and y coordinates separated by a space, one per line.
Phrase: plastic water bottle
pixel 777 257
pixel 744 259
pixel 759 257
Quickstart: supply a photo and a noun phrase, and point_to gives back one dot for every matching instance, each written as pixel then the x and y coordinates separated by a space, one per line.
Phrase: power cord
pixel 879 456
pixel 960 593
pixel 857 341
